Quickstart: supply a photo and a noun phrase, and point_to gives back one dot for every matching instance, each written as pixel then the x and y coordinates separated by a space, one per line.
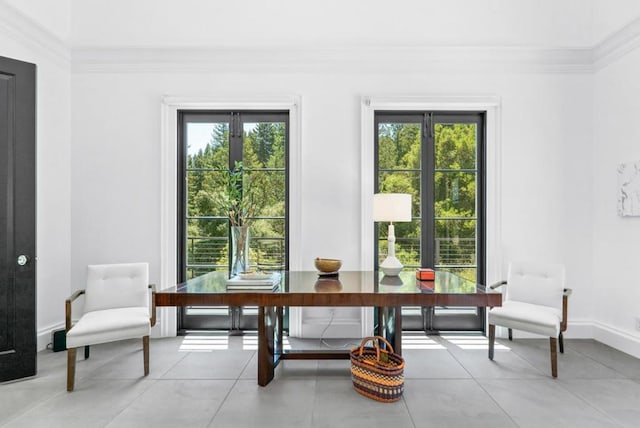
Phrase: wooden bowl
pixel 327 265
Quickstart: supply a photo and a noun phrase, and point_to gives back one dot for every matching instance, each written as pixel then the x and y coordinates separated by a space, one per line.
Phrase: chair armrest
pixel 498 284
pixel 67 308
pixel 565 304
pixel 152 287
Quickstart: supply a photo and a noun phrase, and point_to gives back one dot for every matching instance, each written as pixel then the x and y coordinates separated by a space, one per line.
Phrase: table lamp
pixel 391 207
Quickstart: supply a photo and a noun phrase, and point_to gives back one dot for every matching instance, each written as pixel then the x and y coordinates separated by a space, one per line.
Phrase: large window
pixel 437 157
pixel 212 143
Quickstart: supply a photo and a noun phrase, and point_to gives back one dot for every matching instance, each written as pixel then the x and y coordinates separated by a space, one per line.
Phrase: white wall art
pixel 629 189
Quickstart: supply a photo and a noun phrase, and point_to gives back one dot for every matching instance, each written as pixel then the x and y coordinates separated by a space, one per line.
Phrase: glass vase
pixel 239 249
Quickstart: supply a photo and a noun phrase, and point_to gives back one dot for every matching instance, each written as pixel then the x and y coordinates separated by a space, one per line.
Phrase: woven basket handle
pixel 376 344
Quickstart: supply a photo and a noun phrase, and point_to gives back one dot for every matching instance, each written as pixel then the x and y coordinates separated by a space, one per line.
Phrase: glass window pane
pixel 207 145
pixel 271 228
pixel 455 242
pixel 399 145
pixel 455 145
pixel 269 192
pixel 203 190
pixel 264 145
pixel 402 182
pixel 455 194
pixel 407 242
pixel 267 244
pixel 468 273
pixel 207 244
pixel 195 271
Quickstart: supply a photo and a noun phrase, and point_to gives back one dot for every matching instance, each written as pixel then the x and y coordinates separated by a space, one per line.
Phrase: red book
pixel 425 274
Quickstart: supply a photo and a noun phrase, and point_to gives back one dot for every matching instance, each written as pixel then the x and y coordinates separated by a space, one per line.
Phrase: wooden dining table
pixel 307 288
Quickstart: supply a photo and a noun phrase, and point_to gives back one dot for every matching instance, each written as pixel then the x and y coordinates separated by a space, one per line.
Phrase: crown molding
pixel 357 59
pixel 616 45
pixel 24 30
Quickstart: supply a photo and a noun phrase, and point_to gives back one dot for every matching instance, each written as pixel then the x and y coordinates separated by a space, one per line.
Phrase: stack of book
pixel 254 282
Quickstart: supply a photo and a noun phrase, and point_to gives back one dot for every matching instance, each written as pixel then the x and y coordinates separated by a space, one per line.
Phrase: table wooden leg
pixel 279 348
pixel 266 360
pixel 382 322
pixel 397 327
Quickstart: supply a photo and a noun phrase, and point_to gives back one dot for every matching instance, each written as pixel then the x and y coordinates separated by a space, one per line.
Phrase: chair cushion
pixel 537 319
pixel 109 325
pixel 117 286
pixel 540 284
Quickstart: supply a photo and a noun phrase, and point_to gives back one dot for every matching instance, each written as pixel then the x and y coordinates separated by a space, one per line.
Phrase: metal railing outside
pixel 459 252
pixel 206 253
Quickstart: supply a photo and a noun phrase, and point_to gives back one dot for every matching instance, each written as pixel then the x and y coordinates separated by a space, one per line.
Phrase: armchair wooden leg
pixel 86 352
pixel 71 368
pixel 492 339
pixel 510 334
pixel 145 351
pixel 554 357
pixel 561 342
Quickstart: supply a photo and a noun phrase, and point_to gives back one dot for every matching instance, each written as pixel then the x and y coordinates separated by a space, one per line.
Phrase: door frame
pixel 222 317
pixel 435 319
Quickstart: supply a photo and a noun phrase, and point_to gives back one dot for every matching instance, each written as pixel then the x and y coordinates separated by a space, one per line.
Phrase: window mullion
pixel 427 209
pixel 235 155
pixel 235 140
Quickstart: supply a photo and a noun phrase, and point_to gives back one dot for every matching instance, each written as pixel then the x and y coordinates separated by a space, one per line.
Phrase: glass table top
pixel 344 282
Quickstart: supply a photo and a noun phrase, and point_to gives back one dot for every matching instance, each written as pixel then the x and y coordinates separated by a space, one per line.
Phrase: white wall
pixel 546 141
pixel 615 249
pixel 115 157
pixel 53 168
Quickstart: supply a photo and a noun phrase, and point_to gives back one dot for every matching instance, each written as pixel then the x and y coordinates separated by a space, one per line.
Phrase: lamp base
pixel 391 266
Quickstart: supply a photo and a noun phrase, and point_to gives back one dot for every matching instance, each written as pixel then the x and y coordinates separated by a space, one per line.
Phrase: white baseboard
pixel 165 327
pixel 616 338
pixel 577 329
pixel 44 335
pixel 582 329
pixel 330 329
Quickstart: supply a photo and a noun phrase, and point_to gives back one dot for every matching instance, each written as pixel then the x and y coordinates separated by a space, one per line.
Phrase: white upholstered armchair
pixel 535 300
pixel 119 304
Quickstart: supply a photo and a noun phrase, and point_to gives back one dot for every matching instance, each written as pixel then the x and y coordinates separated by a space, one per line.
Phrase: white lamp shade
pixel 392 207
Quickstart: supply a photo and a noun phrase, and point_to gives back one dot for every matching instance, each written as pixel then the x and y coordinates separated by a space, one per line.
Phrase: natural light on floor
pixel 419 342
pixel 220 342
pixel 250 343
pixel 472 342
pixel 204 343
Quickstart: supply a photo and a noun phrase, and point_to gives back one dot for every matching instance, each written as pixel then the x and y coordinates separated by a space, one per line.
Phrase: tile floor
pixel 210 381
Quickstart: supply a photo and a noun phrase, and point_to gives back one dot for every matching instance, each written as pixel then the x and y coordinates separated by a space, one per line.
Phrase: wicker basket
pixel 377 373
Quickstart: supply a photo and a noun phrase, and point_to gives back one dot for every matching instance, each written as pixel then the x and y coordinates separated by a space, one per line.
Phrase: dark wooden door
pixel 17 219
